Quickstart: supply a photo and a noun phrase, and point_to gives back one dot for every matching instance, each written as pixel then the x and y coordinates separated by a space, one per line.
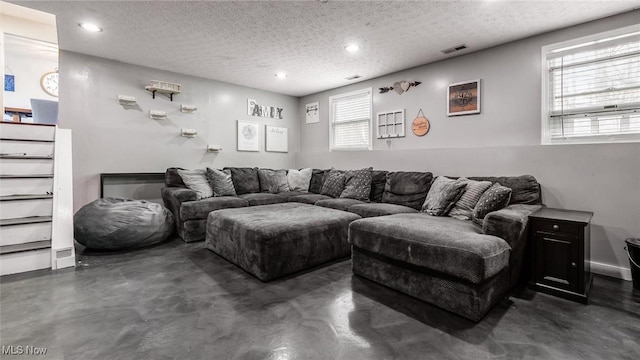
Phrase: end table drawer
pixel 551 226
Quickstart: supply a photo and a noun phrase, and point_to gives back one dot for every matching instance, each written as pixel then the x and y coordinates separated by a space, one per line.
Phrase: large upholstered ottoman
pixel 271 241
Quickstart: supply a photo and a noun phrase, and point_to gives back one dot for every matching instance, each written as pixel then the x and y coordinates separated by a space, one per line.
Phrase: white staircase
pixel 29 199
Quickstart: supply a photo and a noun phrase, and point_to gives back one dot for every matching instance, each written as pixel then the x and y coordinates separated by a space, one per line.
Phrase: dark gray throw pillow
pixel 273 181
pixel 357 184
pixel 172 178
pixel 221 183
pixel 245 180
pixel 495 198
pixel 443 195
pixel 333 183
pixel 408 188
pixel 317 177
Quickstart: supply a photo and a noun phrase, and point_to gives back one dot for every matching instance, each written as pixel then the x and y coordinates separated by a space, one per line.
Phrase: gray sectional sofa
pixel 454 264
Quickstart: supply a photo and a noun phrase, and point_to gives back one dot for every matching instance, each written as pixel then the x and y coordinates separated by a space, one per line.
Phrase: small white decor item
pixel 157 114
pixel 390 124
pixel 126 100
pixel 190 133
pixel 313 113
pixel 164 87
pixel 214 148
pixel 276 139
pixel 189 109
pixel 248 136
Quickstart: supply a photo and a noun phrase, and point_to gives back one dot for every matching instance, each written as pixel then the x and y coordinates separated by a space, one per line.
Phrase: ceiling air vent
pixel 353 77
pixel 454 49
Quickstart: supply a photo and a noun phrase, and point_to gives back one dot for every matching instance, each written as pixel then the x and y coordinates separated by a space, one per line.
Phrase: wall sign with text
pixel 255 109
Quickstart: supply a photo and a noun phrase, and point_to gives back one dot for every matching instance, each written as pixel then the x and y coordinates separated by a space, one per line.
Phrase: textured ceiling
pixel 246 43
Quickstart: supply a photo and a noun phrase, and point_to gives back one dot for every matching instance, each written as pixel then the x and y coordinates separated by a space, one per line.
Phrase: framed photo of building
pixel 463 98
pixel 248 136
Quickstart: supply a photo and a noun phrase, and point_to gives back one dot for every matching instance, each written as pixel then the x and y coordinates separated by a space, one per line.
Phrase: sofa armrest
pixel 511 224
pixel 173 197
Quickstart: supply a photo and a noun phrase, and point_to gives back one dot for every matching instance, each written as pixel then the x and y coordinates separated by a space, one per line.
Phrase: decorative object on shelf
pixel 49 82
pixel 276 139
pixel 164 87
pixel 157 114
pixel 400 86
pixel 214 148
pixel 391 124
pixel 253 109
pixel 126 100
pixel 9 83
pixel 463 98
pixel 189 109
pixel 313 113
pixel 420 125
pixel 190 133
pixel 248 136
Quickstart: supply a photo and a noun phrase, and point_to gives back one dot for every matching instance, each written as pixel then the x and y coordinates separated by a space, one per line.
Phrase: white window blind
pixel 593 89
pixel 350 120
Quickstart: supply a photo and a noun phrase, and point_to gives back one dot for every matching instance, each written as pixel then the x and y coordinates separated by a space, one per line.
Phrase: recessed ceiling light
pixel 352 48
pixel 90 27
pixel 281 75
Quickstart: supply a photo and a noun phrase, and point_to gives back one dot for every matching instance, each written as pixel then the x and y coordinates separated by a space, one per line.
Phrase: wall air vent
pixel 353 77
pixel 454 49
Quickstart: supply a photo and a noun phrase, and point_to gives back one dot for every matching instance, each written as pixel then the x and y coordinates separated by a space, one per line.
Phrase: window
pixel 591 89
pixel 350 121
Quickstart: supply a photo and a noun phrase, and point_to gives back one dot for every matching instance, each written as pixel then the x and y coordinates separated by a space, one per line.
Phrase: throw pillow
pixel 494 199
pixel 273 181
pixel 299 180
pixel 172 178
pixel 221 183
pixel 333 183
pixel 463 209
pixel 317 177
pixel 245 180
pixel 357 184
pixel 443 195
pixel 408 188
pixel 196 180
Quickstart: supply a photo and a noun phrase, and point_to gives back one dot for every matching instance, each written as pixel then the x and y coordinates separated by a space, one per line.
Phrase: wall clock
pixel 49 83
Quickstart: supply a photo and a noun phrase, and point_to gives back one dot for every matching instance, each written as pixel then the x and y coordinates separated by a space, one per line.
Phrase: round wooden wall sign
pixel 420 126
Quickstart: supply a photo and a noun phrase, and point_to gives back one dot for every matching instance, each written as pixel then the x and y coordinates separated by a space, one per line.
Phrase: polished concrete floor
pixel 180 301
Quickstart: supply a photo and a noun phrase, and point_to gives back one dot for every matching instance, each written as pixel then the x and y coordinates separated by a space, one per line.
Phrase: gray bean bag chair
pixel 117 223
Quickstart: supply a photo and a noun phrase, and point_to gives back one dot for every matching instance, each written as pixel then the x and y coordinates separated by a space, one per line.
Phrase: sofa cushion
pixel 197 181
pixel 198 210
pixel 443 194
pixel 315 185
pixel 526 189
pixel 263 199
pixel 494 199
pixel 338 204
pixel 221 183
pixel 379 209
pixel 273 181
pixel 378 179
pixel 443 244
pixel 309 198
pixel 289 194
pixel 172 178
pixel 299 180
pixel 407 188
pixel 245 180
pixel 463 209
pixel 357 184
pixel 333 183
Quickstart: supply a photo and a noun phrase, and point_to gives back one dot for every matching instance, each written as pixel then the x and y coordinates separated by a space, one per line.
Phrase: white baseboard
pixel 611 270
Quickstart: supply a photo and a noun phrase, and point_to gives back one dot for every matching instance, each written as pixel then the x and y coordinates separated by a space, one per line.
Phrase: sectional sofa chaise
pixel 463 266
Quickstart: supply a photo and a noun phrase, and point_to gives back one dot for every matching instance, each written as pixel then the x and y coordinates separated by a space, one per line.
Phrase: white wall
pixel 27 73
pixel 108 137
pixel 503 140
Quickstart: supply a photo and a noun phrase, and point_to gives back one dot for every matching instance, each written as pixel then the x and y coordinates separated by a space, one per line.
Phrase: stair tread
pixel 25 197
pixel 28 157
pixel 26 176
pixel 34 245
pixel 25 220
pixel 23 139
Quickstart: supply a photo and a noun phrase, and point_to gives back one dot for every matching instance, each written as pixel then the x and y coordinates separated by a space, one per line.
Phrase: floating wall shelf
pixel 126 100
pixel 214 148
pixel 189 109
pixel 190 133
pixel 157 114
pixel 164 87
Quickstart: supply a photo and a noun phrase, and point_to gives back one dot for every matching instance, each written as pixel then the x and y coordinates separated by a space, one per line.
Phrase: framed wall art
pixel 313 113
pixel 463 98
pixel 276 139
pixel 248 136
